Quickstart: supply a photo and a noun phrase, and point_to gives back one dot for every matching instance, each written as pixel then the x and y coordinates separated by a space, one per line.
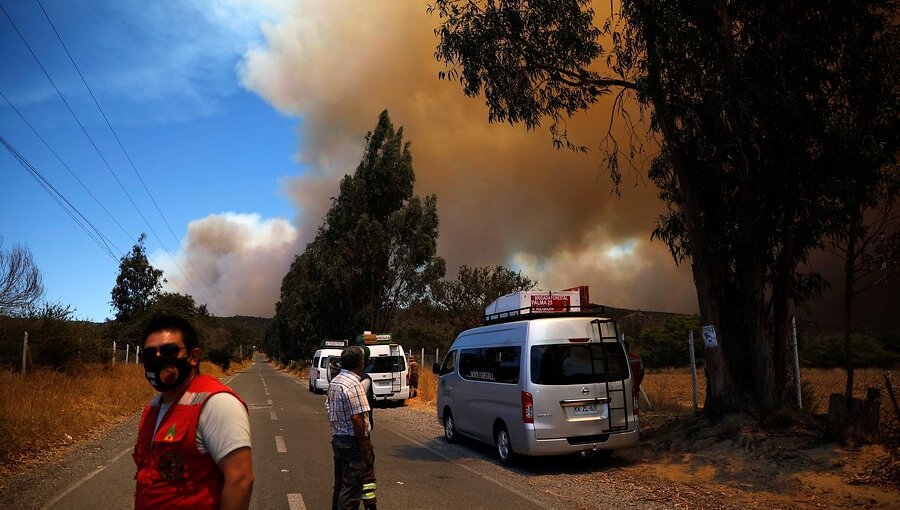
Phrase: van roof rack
pixel 522 314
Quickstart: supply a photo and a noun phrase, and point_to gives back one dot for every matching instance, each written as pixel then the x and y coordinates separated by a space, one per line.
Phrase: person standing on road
pixel 369 498
pixel 193 442
pixel 413 376
pixel 348 413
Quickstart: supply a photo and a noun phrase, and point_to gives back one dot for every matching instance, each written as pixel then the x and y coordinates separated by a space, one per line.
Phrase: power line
pixel 11 105
pixel 125 152
pixel 94 145
pixel 97 236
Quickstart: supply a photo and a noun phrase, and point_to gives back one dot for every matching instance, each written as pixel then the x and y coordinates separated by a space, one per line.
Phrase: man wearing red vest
pixel 193 444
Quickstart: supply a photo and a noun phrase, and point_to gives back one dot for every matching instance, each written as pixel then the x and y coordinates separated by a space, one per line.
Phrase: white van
pixel 319 375
pixel 389 371
pixel 539 386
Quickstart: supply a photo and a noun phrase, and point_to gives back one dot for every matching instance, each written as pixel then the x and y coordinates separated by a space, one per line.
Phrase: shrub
pixel 666 345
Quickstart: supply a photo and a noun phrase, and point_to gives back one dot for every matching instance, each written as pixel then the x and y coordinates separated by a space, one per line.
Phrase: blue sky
pixel 166 76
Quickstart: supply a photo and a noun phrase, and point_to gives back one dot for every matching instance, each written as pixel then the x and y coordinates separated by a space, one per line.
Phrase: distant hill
pixel 257 325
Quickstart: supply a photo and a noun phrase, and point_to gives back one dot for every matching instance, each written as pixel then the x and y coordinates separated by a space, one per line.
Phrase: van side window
pixel 449 363
pixel 315 361
pixel 578 364
pixel 492 364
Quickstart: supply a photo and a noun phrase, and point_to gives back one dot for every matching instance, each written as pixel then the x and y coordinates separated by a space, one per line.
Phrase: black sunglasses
pixel 165 350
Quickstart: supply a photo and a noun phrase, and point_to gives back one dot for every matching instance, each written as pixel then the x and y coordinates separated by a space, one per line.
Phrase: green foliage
pixel 220 357
pixel 415 338
pixel 666 345
pixel 374 253
pixel 463 300
pixel 55 339
pixel 869 350
pixel 137 285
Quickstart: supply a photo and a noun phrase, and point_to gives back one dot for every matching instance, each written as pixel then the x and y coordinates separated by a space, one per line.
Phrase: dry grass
pixel 669 389
pixel 46 410
pixel 427 392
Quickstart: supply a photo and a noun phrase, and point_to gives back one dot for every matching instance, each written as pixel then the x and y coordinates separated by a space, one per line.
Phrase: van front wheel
pixel 503 444
pixel 450 433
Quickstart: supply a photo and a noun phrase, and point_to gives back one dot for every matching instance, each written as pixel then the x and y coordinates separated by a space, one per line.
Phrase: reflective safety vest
pixel 171 472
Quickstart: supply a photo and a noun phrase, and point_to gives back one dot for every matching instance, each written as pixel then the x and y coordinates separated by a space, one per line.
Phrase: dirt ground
pixel 691 463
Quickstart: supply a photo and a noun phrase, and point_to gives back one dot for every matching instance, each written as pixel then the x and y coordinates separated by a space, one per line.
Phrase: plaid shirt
pixel 346 397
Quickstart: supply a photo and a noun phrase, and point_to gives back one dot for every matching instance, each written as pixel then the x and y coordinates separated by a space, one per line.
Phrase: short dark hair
pixel 352 357
pixel 172 323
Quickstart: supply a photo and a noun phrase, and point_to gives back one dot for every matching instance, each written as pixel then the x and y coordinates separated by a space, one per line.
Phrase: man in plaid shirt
pixel 348 411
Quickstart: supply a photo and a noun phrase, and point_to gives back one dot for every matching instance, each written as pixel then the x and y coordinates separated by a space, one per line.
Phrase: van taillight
pixel 579 340
pixel 636 401
pixel 527 407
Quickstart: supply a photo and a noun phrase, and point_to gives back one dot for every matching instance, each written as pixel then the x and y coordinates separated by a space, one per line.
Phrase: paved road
pixel 292 462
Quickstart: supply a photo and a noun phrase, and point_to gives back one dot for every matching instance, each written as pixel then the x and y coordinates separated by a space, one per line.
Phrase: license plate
pixel 584 410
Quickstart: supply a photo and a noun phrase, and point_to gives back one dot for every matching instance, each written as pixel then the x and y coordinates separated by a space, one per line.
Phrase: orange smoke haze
pixel 505 195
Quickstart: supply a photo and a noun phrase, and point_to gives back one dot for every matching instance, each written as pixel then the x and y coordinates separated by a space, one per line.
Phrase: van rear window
pixel 381 364
pixel 577 364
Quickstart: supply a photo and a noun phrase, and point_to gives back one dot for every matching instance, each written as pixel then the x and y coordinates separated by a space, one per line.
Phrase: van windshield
pixel 572 364
pixel 381 364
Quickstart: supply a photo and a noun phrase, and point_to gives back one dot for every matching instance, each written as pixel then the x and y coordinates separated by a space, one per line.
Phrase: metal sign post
pixel 796 362
pixel 693 369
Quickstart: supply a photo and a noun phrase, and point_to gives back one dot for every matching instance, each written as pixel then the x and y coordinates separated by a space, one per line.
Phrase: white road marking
pixel 273 416
pixel 279 444
pixel 86 478
pixel 472 470
pixel 267 392
pixel 295 502
pixel 270 401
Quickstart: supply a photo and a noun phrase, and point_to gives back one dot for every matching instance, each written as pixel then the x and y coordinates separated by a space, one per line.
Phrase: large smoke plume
pixel 505 195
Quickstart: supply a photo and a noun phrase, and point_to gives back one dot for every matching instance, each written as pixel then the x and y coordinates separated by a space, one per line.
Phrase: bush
pixel 220 357
pixel 666 345
pixel 869 351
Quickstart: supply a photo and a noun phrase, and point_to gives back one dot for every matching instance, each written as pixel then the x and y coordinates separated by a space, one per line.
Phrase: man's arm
pixel 237 469
pixel 359 429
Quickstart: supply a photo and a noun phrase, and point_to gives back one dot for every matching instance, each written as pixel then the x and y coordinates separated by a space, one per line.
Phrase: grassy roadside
pixel 45 411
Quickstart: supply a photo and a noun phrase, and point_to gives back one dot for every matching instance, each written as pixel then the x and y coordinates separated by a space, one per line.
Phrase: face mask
pixel 166 373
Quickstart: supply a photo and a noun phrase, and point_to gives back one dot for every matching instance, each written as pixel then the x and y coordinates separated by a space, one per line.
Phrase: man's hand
pixel 237 468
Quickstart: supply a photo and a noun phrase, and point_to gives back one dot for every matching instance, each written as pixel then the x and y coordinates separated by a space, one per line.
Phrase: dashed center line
pixel 295 502
pixel 270 401
pixel 279 444
pixel 273 416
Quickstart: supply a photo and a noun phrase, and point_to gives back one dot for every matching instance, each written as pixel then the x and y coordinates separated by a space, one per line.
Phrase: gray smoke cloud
pixel 232 262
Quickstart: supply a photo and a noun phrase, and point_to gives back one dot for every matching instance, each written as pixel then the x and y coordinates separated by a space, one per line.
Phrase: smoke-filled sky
pixel 243 115
pixel 505 195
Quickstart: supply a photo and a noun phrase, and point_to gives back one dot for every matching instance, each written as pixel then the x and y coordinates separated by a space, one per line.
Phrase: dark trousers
pixel 349 468
pixel 370 500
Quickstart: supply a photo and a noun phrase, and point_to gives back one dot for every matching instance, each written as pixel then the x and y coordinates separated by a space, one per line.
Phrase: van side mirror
pixel 436 368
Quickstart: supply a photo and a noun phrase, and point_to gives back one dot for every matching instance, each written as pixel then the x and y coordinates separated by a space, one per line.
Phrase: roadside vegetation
pixel 46 410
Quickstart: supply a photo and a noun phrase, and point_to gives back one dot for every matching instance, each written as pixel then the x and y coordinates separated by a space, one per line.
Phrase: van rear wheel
pixel 450 433
pixel 503 444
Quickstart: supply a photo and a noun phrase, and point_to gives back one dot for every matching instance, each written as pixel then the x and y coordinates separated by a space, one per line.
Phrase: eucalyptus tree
pixel 757 108
pixel 374 253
